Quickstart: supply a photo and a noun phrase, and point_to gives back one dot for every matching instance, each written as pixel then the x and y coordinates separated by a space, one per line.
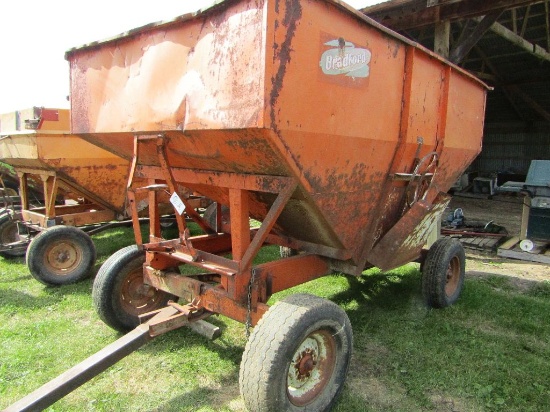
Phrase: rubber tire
pixel 440 256
pixel 107 289
pixel 37 259
pixel 273 343
pixel 7 227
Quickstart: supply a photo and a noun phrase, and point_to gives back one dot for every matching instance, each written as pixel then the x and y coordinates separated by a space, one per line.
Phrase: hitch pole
pixel 57 388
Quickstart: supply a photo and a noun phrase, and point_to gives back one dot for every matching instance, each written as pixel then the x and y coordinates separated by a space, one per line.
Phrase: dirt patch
pixel 225 395
pixel 504 211
pixel 501 210
pixel 445 403
pixel 523 275
pixel 366 380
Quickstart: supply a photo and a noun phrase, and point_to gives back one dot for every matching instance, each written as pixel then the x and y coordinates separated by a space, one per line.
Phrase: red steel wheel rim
pixel 452 276
pixel 62 257
pixel 311 367
pixel 136 297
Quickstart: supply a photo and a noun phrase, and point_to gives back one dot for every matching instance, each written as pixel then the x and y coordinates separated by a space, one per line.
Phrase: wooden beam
pixel 525 20
pixel 460 50
pixel 486 76
pixel 519 41
pixel 513 93
pixel 408 14
pixel 509 96
pixel 541 111
pixel 441 38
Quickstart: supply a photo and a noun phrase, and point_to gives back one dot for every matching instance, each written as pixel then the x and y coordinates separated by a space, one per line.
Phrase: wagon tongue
pixel 161 321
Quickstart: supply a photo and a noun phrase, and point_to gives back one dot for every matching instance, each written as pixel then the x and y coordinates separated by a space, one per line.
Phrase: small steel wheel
pixel 9 233
pixel 61 255
pixel 297 357
pixel 443 273
pixel 119 294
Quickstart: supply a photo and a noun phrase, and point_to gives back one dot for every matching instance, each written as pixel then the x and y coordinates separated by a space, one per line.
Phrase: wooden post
pixel 442 37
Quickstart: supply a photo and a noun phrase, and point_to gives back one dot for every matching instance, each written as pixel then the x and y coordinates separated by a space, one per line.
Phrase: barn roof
pixel 506 43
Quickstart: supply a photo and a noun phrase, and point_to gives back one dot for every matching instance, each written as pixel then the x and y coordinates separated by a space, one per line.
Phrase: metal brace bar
pixel 135 217
pixel 267 224
pixel 50 184
pixel 131 195
pixel 170 181
pixel 169 178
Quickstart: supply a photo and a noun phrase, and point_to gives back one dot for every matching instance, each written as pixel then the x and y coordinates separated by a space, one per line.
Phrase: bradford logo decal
pixel 345 59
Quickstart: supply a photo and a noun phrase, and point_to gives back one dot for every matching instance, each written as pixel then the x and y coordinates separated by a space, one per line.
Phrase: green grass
pixel 488 352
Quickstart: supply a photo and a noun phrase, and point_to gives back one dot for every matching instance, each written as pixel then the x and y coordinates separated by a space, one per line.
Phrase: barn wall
pixel 510 149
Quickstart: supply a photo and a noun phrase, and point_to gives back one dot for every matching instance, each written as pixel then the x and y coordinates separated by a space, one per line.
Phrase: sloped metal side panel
pixel 371 97
pixel 201 73
pixel 85 166
pixel 307 89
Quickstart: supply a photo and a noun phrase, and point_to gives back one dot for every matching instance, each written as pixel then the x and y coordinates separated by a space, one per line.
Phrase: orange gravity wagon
pixel 81 186
pixel 338 135
pixel 69 190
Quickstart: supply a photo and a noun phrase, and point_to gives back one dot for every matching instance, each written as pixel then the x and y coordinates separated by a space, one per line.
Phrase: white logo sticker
pixel 345 59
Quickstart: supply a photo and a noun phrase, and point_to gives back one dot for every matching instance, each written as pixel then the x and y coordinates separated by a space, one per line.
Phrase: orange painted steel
pixel 64 167
pixel 336 133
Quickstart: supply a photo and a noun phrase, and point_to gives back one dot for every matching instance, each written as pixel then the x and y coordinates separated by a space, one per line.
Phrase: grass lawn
pixel 488 352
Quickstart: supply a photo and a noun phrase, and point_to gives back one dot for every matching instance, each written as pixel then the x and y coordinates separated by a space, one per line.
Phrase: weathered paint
pixel 81 167
pixel 240 89
pixel 404 241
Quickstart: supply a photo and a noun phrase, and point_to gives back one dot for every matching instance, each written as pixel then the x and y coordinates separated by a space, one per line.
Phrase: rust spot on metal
pixel 305 364
pixel 214 155
pixel 293 13
pixel 393 47
pixel 341 43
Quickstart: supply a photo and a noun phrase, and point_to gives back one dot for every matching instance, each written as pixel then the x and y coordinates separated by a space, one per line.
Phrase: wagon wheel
pixel 301 348
pixel 119 293
pixel 61 255
pixel 443 273
pixel 9 233
pixel 418 184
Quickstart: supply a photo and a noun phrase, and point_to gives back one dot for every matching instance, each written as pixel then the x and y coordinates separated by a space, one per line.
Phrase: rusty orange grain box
pixel 368 122
pixel 338 135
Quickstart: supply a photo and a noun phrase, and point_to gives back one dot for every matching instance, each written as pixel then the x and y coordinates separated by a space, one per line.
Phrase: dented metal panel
pixel 310 90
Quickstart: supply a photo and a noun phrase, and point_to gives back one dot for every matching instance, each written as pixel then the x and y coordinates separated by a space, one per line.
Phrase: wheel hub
pixel 452 276
pixel 305 365
pixel 136 296
pixel 62 257
pixel 311 367
pixel 145 290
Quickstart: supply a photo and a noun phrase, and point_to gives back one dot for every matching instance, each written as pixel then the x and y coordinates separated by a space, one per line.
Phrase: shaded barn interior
pixel 506 44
